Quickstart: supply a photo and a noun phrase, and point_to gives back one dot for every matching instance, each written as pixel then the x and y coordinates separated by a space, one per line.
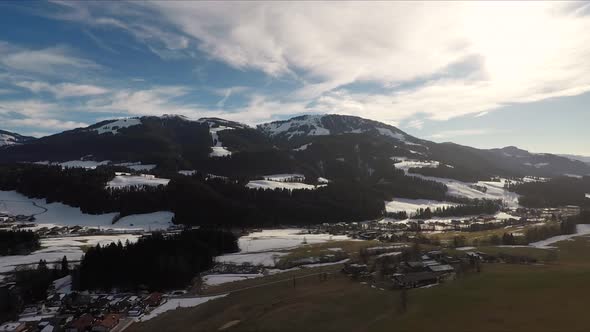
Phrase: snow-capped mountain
pixel 321 144
pixel 331 124
pixel 9 138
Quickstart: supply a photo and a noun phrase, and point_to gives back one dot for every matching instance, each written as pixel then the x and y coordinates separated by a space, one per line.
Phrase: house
pixel 106 324
pixel 13 327
pixel 154 299
pixel 82 324
pixel 415 279
pixel 441 269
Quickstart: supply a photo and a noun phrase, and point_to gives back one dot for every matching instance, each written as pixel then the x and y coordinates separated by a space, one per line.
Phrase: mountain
pixel 331 146
pixel 9 138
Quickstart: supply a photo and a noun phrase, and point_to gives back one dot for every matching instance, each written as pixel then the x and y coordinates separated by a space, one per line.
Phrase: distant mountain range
pixel 585 159
pixel 331 146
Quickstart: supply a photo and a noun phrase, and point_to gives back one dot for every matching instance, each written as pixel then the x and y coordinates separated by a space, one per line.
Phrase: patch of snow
pixel 89 164
pixel 505 216
pixel 587 195
pixel 388 132
pixel 137 166
pixel 411 205
pixel 323 180
pixel 581 229
pixel 465 248
pixel 124 180
pixel 494 189
pixel 284 177
pixel 54 249
pixel 219 279
pixel 303 147
pixel 63 285
pixel 267 258
pixel 281 239
pixel 218 149
pixel 148 221
pixel 113 127
pixel 265 184
pixel 175 303
pixel 187 172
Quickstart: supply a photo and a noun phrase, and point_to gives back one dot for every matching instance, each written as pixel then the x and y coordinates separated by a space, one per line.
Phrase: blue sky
pixel 481 74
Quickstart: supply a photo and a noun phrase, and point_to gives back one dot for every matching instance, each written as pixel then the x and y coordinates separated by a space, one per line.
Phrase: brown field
pixel 503 297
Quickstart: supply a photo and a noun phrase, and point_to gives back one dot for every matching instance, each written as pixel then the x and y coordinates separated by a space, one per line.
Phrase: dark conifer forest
pixel 155 262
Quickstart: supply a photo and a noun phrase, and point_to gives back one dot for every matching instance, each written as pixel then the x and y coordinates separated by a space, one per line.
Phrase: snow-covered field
pixel 54 249
pixel 266 184
pixel 137 166
pixel 175 303
pixel 281 181
pixel 267 246
pixel 494 189
pixel 267 258
pixel 411 205
pixel 281 239
pixel 218 279
pixel 58 214
pixel 125 180
pixel 582 229
pixel 284 177
pixel 149 221
pixel 52 214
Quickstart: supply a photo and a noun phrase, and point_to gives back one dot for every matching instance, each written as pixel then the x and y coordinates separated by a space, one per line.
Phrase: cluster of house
pixel 8 218
pixel 82 312
pixel 544 214
pixel 431 268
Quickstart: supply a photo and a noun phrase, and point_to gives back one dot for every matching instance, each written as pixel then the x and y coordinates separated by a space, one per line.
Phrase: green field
pixel 552 296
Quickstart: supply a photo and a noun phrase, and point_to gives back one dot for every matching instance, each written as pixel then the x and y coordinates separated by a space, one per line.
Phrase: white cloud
pixel 63 90
pixel 524 52
pixel 47 61
pixel 44 123
pixel 433 60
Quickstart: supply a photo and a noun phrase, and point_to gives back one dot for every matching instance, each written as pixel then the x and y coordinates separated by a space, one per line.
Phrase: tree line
pixel 18 242
pixel 202 200
pixel 479 206
pixel 553 193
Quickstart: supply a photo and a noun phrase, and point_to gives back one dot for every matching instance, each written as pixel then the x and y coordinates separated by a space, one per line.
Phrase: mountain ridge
pixel 302 142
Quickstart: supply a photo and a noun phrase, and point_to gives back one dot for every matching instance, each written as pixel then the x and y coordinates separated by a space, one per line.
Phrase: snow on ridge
pixel 113 127
pixel 587 195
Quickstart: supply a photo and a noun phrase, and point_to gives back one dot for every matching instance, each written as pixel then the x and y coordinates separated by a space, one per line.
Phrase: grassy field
pixel 503 297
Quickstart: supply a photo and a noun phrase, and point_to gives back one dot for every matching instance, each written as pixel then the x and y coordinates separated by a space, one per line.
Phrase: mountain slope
pixel 10 138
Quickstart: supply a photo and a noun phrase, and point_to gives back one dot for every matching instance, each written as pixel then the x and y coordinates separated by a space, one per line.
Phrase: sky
pixel 484 74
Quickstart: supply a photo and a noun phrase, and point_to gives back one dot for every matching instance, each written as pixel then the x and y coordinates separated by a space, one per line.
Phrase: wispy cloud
pixel 461 132
pixel 63 90
pixel 50 60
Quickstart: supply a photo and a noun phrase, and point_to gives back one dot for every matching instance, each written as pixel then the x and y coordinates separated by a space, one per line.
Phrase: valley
pixel 322 208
